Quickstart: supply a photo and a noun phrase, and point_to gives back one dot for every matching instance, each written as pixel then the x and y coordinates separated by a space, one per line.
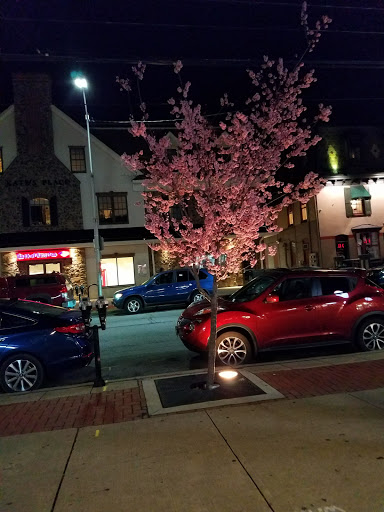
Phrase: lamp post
pixel 82 84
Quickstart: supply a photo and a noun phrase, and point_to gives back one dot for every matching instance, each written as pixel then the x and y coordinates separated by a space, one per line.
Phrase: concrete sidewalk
pixel 318 454
pixel 319 448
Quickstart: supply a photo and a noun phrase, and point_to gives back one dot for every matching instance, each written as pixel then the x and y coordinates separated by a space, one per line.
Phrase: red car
pixel 290 308
pixel 54 288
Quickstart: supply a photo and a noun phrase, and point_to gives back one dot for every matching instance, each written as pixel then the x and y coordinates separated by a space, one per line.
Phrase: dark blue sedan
pixel 170 287
pixel 38 340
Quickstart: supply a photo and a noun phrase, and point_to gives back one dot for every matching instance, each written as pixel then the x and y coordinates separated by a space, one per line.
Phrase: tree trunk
pixel 212 338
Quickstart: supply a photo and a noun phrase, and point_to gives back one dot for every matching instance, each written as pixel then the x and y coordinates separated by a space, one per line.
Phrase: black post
pixel 99 381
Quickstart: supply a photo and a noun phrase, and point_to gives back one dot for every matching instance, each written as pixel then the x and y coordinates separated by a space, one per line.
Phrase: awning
pixel 359 192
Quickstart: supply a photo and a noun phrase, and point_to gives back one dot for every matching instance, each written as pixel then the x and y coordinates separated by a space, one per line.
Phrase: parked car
pixel 39 340
pixel 54 288
pixel 170 287
pixel 290 309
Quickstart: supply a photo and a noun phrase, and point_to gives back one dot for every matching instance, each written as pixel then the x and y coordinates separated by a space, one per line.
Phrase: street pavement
pixel 320 448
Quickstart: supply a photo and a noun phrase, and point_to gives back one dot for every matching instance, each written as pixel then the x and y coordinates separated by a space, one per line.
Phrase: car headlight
pixel 207 311
pixel 118 296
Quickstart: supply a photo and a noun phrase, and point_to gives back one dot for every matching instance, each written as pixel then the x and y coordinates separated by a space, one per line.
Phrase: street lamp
pixel 82 84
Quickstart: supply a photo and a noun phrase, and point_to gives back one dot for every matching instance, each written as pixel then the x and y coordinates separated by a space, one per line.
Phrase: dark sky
pixel 216 39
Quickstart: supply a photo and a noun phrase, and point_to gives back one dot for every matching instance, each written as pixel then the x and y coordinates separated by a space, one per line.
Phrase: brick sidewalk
pixel 325 380
pixel 129 404
pixel 73 411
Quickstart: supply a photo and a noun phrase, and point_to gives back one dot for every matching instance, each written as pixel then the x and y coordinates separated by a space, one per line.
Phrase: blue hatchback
pixel 170 287
pixel 37 340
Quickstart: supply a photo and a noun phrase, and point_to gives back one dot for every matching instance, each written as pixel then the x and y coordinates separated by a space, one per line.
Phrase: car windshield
pixel 253 289
pixel 148 280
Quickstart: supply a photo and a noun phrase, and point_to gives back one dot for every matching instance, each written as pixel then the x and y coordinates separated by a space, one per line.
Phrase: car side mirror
pixel 272 298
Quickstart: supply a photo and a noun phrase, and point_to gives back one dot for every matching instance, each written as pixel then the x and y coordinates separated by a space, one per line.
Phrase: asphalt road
pixel 146 344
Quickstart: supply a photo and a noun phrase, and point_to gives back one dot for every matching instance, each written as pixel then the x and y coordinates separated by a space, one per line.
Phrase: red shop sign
pixel 43 254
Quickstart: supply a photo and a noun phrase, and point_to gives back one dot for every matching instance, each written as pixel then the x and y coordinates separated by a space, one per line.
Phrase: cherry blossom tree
pixel 229 181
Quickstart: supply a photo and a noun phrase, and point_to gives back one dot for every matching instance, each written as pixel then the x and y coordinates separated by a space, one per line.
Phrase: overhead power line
pixel 185 26
pixel 199 62
pixel 251 3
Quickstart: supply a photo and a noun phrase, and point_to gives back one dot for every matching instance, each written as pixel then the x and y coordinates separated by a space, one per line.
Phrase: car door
pixel 161 289
pixel 331 294
pixel 291 319
pixel 184 285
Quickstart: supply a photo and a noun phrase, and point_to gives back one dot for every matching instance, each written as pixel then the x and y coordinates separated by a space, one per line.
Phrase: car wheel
pixel 233 349
pixel 133 306
pixel 196 297
pixel 371 335
pixel 21 372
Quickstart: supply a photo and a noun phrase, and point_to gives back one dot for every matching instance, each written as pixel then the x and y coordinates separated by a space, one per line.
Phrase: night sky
pixel 216 40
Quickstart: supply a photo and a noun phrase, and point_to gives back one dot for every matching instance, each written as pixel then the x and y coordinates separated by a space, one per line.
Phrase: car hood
pixel 132 289
pixel 194 308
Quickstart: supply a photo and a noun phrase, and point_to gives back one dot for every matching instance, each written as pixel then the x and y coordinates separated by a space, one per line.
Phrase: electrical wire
pixel 184 26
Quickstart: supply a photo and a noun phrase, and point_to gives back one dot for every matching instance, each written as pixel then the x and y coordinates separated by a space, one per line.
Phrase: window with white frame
pixel 117 270
pixel 77 158
pixel 113 208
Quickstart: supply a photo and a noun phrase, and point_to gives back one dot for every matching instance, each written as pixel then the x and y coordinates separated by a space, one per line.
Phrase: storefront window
pixel 117 271
pixel 52 267
pixel 368 243
pixel 37 268
pixel 43 268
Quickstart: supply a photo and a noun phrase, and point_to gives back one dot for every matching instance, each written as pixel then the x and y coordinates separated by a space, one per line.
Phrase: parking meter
pixel 86 308
pixel 101 306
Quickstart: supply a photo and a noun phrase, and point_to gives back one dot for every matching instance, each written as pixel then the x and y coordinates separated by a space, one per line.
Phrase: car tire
pixel 370 335
pixel 233 349
pixel 133 305
pixel 31 369
pixel 196 296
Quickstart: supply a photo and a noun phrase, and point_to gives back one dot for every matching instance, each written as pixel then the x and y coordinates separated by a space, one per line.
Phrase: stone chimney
pixel 32 99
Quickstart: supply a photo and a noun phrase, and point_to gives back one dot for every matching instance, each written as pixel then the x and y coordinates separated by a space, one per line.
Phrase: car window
pixel 38 281
pixel 377 276
pixel 39 308
pixel 293 289
pixel 165 278
pixel 370 282
pixel 337 284
pixel 184 275
pixel 253 290
pixel 22 283
pixel 202 275
pixel 8 321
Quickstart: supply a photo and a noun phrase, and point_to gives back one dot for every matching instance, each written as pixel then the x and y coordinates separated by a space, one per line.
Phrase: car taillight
pixel 71 329
pixel 64 292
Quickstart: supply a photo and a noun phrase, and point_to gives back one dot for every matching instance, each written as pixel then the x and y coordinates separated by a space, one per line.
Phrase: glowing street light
pixel 81 83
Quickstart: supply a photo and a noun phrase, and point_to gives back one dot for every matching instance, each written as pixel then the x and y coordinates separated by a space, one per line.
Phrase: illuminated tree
pixel 231 180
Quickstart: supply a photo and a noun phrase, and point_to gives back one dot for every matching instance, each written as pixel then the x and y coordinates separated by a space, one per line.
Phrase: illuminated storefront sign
pixel 43 254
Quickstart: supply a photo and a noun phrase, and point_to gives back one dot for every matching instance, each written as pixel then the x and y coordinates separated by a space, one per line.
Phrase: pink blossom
pixel 139 69
pixel 177 66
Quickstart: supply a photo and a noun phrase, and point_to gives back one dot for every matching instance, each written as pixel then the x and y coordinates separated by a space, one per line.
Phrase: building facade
pixel 46 209
pixel 343 224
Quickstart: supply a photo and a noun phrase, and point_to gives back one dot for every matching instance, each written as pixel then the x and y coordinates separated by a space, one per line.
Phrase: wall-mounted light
pixel 333 159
